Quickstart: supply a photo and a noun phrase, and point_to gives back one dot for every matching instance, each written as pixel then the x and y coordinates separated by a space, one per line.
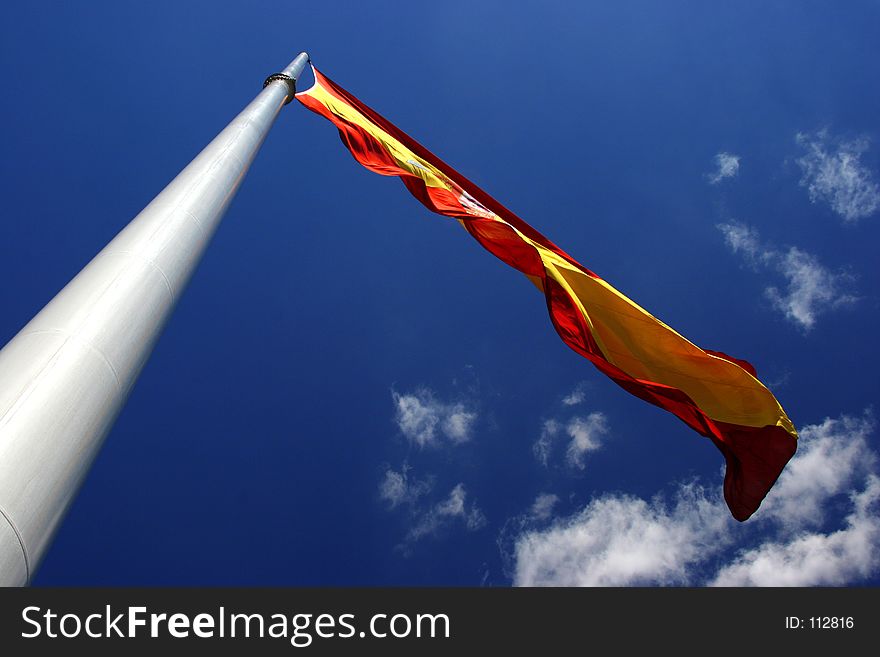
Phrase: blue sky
pixel 352 392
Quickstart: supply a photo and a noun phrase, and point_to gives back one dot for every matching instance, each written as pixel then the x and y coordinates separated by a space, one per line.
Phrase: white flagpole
pixel 66 375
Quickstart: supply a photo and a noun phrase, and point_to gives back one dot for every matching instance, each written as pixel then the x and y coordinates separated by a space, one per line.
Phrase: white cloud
pixel 458 422
pixel 816 559
pixel 585 436
pixel 623 540
pixel 830 455
pixel 423 419
pixel 794 539
pixel 427 421
pixel 449 510
pixel 542 507
pixel 542 446
pixel 393 488
pixel 833 173
pixel 745 240
pixel 726 166
pixel 576 396
pixel 398 488
pixel 811 289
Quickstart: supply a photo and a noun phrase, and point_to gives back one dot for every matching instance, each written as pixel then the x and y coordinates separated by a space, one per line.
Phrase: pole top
pixel 295 68
pixel 290 74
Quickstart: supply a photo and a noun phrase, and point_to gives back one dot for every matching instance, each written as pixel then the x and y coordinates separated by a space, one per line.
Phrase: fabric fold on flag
pixel 715 394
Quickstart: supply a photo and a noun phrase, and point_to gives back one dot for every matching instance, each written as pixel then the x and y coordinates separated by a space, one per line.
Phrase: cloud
pixel 794 539
pixel 623 540
pixel 745 240
pixel 726 166
pixel 830 455
pixel 453 508
pixel 542 507
pixel 585 434
pixel 543 445
pixel 576 396
pixel 833 173
pixel 423 419
pixel 426 420
pixel 457 423
pixel 816 559
pixel 811 289
pixel 397 488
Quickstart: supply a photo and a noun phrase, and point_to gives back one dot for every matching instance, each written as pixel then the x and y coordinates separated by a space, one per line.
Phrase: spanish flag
pixel 716 395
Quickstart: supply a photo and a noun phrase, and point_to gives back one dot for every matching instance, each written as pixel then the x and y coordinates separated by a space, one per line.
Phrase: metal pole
pixel 66 375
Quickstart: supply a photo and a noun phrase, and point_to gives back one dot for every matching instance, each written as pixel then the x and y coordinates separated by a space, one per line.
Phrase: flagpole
pixel 66 375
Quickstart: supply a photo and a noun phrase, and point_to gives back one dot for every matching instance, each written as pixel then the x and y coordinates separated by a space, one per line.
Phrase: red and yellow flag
pixel 716 395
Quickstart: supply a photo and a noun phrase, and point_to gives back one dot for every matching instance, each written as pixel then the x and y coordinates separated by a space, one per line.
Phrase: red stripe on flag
pixel 755 457
pixel 484 198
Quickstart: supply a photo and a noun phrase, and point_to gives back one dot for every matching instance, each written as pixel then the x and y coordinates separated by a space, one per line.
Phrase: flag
pixel 715 394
